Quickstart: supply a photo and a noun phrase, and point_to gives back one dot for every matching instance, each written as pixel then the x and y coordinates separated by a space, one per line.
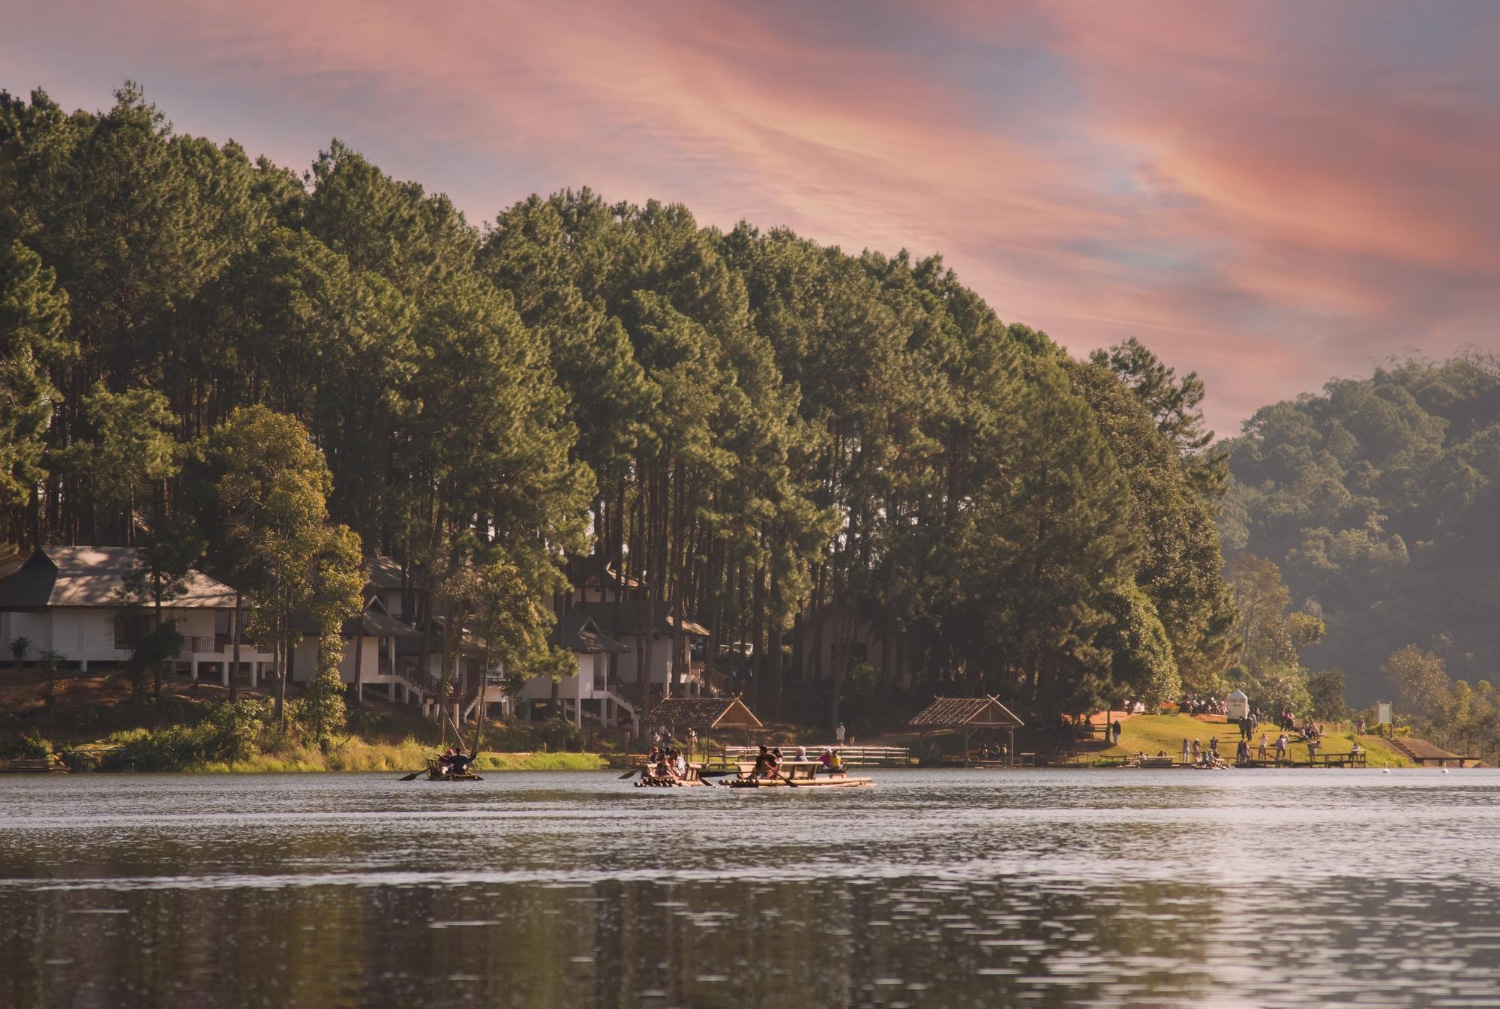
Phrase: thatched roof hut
pixel 703 714
pixel 967 715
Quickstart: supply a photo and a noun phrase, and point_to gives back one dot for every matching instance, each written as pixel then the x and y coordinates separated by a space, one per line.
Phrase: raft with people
pixel 452 765
pixel 796 774
pixel 771 770
pixel 667 768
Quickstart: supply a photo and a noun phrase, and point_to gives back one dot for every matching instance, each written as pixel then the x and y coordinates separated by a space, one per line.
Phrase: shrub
pixel 237 732
pixel 555 734
pixel 231 733
pixel 19 647
pixel 167 749
pixel 25 748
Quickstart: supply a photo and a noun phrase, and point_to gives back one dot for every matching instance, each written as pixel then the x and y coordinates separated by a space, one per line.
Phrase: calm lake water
pixel 945 889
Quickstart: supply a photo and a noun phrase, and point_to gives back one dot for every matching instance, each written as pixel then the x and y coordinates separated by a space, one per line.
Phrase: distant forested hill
pixel 1379 498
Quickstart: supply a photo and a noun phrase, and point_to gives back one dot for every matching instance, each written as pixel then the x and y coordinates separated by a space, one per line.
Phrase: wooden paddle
pixel 630 774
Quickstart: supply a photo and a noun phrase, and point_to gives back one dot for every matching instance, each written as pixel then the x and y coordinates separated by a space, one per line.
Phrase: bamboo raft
pixel 650 779
pixel 435 772
pixel 798 774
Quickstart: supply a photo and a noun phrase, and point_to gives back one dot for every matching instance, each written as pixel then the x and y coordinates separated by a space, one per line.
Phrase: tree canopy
pixel 751 428
pixel 1377 499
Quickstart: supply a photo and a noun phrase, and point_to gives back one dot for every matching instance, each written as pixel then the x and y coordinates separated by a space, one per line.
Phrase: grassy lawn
pixel 1151 734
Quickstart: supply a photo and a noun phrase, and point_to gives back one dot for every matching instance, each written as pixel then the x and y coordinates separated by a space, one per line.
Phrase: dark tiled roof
pixel 93 577
pixel 379 624
pixel 385 573
pixel 579 633
pixel 702 714
pixel 971 712
pixel 632 620
pixel 597 571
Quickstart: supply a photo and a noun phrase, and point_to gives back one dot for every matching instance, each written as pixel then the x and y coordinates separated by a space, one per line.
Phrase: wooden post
pixel 359 657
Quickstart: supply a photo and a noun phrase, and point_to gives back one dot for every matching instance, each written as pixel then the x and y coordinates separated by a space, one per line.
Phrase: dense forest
pixel 1378 500
pixel 755 428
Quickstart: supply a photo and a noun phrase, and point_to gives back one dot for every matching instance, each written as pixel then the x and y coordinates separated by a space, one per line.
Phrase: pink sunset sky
pixel 1269 194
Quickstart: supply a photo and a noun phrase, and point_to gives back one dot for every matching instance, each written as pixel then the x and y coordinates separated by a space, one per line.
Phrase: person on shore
pixel 1197 751
pixel 1260 754
pixel 1184 749
pixel 838 734
pixel 1116 731
pixel 1281 748
pixel 692 741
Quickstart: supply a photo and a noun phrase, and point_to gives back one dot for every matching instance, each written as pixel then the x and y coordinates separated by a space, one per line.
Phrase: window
pixel 130 628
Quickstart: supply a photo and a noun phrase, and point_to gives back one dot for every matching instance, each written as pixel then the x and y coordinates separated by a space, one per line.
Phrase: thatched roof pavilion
pixel 703 714
pixel 967 715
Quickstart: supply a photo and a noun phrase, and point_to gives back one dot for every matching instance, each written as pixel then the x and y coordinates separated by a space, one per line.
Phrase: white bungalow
pixel 74 605
pixel 634 623
pixel 588 692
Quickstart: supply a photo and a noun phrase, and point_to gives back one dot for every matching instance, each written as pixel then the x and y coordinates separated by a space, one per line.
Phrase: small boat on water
pixel 797 774
pixel 436 772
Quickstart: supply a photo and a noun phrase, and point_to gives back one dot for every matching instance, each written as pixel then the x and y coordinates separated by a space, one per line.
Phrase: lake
pixel 936 888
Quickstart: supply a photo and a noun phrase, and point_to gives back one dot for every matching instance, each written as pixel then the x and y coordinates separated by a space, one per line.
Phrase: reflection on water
pixel 949 889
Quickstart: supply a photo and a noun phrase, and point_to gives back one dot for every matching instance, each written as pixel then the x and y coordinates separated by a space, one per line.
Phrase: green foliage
pixel 269 499
pixel 236 732
pixel 1270 639
pixel 1448 712
pixel 554 735
pixel 19 647
pixel 1325 691
pixel 1175 405
pixel 1421 682
pixel 320 712
pixel 132 447
pixel 1144 667
pixel 230 733
pixel 32 319
pixel 1377 499
pixel 158 646
pixel 751 430
pixel 26 747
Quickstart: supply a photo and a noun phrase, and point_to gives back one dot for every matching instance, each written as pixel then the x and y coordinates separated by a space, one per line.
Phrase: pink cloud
pixel 1266 194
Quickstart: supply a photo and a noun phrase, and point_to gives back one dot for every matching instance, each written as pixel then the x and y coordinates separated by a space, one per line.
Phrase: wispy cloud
pixel 1267 193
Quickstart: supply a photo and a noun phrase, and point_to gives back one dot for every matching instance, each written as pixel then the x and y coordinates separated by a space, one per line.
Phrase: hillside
pixel 1378 500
